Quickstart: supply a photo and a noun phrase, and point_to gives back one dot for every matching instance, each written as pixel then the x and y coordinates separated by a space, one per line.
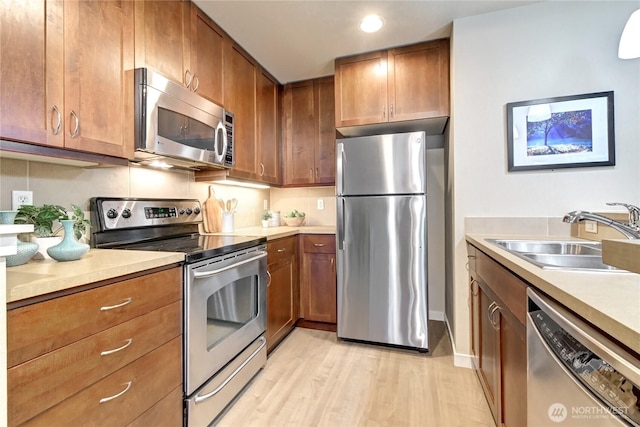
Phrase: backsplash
pixel 306 200
pixel 65 185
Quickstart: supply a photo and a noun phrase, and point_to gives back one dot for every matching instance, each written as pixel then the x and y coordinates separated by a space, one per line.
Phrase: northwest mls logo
pixel 557 412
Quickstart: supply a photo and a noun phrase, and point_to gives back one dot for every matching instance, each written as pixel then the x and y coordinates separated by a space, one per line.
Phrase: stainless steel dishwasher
pixel 576 375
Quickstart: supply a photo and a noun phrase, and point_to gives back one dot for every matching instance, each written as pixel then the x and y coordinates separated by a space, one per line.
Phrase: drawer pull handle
pixel 115 350
pixel 269 277
pixel 318 245
pixel 281 250
pixel 115 396
pixel 111 307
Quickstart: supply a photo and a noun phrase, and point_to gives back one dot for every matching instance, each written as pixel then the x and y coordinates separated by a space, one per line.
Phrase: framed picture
pixel 564 132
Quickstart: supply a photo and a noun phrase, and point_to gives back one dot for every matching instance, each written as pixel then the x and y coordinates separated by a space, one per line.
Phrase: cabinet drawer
pixel 43 382
pixel 43 327
pixel 167 412
pixel 280 249
pixel 319 243
pixel 509 288
pixel 122 396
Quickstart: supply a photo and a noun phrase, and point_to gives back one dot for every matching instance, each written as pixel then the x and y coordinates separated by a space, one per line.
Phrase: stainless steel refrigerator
pixel 382 239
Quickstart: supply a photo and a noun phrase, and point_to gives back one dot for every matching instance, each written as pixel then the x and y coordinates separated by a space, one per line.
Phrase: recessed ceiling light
pixel 371 23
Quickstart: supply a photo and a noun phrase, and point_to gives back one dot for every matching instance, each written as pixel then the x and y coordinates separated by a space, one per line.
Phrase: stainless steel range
pixel 224 293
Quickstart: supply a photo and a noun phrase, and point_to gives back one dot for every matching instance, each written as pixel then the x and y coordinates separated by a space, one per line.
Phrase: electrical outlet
pixel 19 198
pixel 320 204
pixel 265 204
pixel 591 226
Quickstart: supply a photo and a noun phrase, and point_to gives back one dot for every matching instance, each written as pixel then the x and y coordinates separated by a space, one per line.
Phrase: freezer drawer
pixel 382 270
pixel 382 164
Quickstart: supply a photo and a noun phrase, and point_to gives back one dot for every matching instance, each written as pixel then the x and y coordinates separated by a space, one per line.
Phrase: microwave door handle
pixel 221 130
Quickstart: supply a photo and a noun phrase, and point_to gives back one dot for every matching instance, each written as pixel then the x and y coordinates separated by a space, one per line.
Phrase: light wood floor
pixel 312 379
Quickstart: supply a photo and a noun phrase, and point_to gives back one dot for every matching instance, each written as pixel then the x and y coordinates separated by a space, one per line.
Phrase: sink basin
pixel 558 255
pixel 551 247
pixel 573 262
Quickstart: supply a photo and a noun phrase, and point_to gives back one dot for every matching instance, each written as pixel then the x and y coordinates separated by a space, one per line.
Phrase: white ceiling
pixel 299 40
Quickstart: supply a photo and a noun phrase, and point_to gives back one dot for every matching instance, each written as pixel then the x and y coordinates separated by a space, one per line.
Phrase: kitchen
pixel 495 48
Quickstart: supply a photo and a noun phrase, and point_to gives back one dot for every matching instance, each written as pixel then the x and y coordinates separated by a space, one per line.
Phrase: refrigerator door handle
pixel 340 167
pixel 340 228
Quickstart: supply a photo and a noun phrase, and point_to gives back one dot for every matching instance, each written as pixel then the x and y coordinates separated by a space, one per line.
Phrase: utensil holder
pixel 227 222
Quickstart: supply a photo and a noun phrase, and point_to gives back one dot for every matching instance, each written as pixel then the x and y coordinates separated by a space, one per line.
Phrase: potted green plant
pixel 43 219
pixel 266 216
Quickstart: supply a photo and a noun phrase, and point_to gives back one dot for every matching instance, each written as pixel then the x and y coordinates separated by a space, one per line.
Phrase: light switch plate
pixel 19 198
pixel 320 204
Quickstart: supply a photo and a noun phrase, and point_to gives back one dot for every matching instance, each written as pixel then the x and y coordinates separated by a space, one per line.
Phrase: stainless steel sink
pixel 551 247
pixel 558 255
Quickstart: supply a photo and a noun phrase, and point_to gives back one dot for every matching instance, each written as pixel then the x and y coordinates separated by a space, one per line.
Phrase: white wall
pixel 539 51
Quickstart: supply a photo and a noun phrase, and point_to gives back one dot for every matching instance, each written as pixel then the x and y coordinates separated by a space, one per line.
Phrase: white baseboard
pixel 436 315
pixel 459 359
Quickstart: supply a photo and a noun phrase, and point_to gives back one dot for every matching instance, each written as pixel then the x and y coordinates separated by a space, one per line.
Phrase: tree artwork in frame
pixel 563 132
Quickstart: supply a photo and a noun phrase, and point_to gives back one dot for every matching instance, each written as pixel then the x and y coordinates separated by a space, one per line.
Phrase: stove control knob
pixel 189 211
pixel 112 213
pixel 126 213
pixel 182 211
pixel 196 210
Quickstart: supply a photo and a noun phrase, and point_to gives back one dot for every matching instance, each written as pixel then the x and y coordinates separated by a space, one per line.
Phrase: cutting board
pixel 212 213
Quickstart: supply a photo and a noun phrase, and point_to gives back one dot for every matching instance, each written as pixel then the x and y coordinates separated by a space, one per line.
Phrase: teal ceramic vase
pixel 69 249
pixel 25 250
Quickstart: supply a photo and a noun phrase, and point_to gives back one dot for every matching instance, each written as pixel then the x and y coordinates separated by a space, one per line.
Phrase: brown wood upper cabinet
pixel 63 93
pixel 405 83
pixel 309 132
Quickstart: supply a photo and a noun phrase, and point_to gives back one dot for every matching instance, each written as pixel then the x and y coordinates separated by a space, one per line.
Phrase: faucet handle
pixel 634 213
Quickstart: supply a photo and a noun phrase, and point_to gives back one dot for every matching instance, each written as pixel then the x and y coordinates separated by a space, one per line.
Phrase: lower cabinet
pixel 282 289
pixel 111 354
pixel 498 337
pixel 318 279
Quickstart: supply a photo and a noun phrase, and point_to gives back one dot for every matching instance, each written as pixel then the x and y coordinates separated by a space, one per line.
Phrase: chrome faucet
pixel 630 230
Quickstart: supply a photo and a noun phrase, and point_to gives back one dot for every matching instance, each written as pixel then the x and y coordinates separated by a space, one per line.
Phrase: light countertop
pixel 40 277
pixel 609 300
pixel 272 233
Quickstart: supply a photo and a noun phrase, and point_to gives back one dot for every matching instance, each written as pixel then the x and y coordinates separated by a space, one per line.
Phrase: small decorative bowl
pixel 294 221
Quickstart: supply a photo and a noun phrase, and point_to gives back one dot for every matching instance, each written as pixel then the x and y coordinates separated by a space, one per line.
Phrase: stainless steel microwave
pixel 175 126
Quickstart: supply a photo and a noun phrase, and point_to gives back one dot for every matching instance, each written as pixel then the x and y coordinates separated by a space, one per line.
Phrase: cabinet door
pixel 280 301
pixel 31 71
pixel 489 355
pixel 268 147
pixel 474 312
pixel 318 293
pixel 162 38
pixel 300 134
pixel 325 149
pixel 98 93
pixel 206 60
pixel 418 81
pixel 513 371
pixel 240 92
pixel 361 89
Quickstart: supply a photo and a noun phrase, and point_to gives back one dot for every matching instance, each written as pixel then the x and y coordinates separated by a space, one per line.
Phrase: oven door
pixel 225 303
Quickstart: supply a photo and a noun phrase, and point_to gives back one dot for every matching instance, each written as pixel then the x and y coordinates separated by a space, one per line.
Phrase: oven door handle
pixel 204 397
pixel 200 275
